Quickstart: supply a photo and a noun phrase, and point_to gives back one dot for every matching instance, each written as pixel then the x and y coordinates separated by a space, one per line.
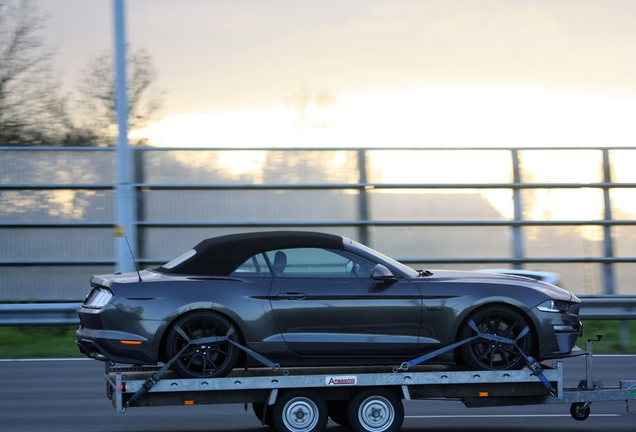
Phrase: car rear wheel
pixel 500 320
pixel 212 359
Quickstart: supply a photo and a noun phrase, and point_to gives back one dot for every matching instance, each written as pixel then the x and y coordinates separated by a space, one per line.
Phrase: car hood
pixel 512 281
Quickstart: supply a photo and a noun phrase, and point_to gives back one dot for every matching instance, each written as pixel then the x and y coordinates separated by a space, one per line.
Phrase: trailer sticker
pixel 341 380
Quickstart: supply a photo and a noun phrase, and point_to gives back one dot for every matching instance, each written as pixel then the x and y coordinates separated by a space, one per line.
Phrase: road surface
pixel 68 396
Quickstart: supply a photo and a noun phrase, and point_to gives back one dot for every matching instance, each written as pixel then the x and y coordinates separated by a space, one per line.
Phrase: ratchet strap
pixel 531 362
pixel 150 382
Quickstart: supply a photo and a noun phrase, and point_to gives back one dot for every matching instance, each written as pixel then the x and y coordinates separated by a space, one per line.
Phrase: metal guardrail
pixel 161 174
pixel 25 314
pixel 608 307
pixel 592 308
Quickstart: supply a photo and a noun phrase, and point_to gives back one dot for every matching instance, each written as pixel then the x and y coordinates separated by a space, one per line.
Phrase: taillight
pixel 98 298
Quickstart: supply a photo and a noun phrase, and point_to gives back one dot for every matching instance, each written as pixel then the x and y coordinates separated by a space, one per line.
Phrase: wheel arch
pixel 181 312
pixel 514 305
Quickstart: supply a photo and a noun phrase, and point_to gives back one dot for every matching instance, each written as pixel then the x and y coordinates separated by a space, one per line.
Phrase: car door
pixel 327 304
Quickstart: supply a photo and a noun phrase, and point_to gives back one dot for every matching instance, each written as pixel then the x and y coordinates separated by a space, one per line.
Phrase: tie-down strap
pixel 150 382
pixel 531 362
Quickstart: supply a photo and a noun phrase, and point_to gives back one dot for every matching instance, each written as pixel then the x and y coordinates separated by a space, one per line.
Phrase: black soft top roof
pixel 220 256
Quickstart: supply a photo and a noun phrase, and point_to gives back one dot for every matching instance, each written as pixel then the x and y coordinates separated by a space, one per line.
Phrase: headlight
pixel 98 298
pixel 556 306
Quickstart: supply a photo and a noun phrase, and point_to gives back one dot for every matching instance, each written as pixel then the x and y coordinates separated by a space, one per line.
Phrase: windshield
pixel 404 269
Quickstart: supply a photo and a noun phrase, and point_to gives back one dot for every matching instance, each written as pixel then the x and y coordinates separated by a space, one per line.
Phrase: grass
pixel 59 341
pixel 611 331
pixel 38 342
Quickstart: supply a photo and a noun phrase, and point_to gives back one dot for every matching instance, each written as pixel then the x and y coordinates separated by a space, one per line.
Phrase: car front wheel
pixel 484 354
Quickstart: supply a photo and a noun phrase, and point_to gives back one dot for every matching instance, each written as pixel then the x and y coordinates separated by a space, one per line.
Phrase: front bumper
pixel 560 333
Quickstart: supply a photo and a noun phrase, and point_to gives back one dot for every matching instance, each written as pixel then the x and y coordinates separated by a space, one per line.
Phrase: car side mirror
pixel 380 272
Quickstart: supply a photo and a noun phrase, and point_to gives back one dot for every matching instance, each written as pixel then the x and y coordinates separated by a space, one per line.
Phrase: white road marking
pixel 503 416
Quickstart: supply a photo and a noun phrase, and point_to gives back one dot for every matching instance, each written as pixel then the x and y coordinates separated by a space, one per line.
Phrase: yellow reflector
pixel 188 402
pixel 483 394
pixel 130 342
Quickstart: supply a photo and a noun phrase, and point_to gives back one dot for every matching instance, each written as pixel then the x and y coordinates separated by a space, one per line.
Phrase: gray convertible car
pixel 314 299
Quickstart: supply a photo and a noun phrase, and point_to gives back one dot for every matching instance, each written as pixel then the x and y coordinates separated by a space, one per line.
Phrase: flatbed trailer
pixel 364 399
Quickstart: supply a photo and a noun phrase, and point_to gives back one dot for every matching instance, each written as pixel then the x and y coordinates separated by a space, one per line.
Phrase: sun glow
pixel 497 117
pixel 424 117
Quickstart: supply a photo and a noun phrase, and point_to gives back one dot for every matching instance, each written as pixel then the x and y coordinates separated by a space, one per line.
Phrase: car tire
pixel 208 360
pixel 500 320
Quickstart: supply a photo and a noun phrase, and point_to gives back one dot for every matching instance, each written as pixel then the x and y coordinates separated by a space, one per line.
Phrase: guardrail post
pixel 624 335
pixel 608 268
pixel 517 235
pixel 125 198
pixel 363 205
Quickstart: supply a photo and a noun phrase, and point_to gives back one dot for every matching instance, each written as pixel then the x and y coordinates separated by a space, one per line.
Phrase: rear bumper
pixel 109 335
pixel 93 349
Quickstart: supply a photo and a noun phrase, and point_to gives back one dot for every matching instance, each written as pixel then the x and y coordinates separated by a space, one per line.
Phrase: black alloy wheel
pixel 207 360
pixel 500 320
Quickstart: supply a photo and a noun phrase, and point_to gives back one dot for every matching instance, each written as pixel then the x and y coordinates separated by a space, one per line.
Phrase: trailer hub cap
pixel 300 415
pixel 376 414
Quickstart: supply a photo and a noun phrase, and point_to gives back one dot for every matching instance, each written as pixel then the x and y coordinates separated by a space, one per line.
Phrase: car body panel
pixel 323 308
pixel 355 317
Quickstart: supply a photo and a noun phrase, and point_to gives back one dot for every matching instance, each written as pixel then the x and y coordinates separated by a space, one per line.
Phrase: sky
pixel 373 73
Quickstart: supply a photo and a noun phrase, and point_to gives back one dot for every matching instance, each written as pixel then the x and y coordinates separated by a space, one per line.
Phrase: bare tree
pixel 302 101
pixel 31 110
pixel 96 102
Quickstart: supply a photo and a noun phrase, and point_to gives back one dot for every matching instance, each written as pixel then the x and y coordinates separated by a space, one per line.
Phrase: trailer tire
pixel 376 410
pixel 300 411
pixel 580 411
pixel 339 412
pixel 259 408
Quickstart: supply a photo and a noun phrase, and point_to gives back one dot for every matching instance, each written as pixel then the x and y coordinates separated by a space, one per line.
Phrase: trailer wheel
pixel 339 412
pixel 376 410
pixel 210 360
pixel 259 408
pixel 580 411
pixel 300 411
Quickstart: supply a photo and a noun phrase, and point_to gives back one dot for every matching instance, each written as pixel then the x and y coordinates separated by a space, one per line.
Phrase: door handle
pixel 291 296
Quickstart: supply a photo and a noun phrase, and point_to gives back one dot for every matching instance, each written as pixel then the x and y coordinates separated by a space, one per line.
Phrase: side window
pixel 255 266
pixel 318 263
